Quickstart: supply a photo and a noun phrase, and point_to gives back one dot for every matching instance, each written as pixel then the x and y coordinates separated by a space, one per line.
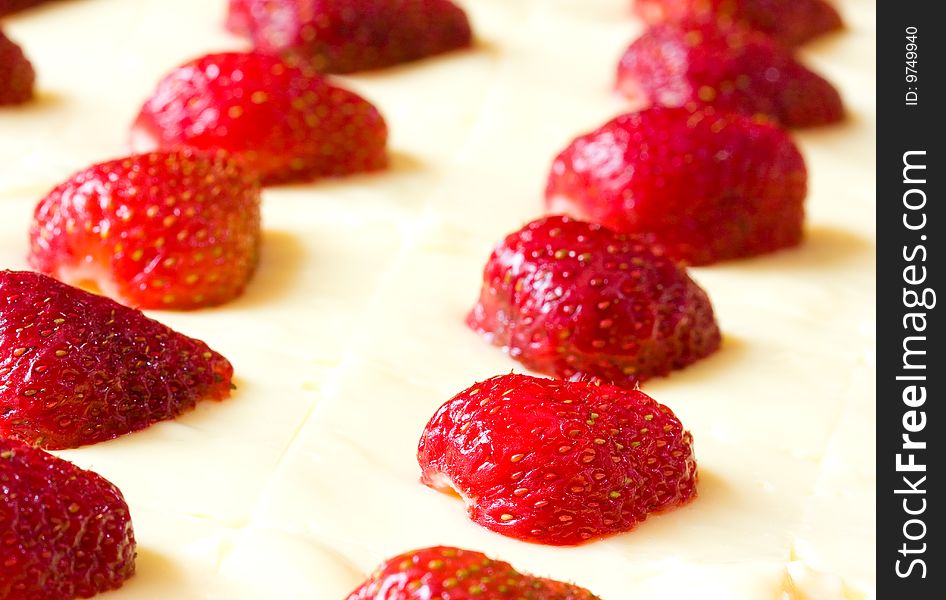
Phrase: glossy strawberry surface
pixel 65 532
pixel 704 186
pixel 570 298
pixel 448 573
pixel 558 462
pixel 730 67
pixel 164 230
pixel 343 36
pixel 791 22
pixel 76 368
pixel 285 122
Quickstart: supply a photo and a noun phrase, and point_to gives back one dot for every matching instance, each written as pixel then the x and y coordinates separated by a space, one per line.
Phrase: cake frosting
pixel 352 332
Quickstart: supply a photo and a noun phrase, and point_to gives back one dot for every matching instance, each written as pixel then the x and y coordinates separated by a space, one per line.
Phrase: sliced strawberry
pixel 165 230
pixel 16 73
pixel 343 36
pixel 286 123
pixel 448 573
pixel 729 67
pixel 791 22
pixel 572 299
pixel 558 462
pixel 77 368
pixel 705 186
pixel 67 532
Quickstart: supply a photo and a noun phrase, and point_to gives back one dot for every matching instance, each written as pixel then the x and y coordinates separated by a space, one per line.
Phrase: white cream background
pixel 351 333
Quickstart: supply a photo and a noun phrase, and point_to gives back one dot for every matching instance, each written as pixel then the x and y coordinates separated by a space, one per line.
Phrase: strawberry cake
pixel 353 329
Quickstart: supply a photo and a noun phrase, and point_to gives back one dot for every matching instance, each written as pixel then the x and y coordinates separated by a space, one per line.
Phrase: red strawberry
pixel 558 462
pixel 176 230
pixel 66 532
pixel 444 573
pixel 16 73
pixel 76 368
pixel 706 186
pixel 731 68
pixel 792 22
pixel 343 36
pixel 572 299
pixel 286 123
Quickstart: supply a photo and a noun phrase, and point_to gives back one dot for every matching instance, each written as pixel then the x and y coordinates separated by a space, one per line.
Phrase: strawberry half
pixel 704 186
pixel 344 36
pixel 571 299
pixel 76 368
pixel 729 67
pixel 446 573
pixel 557 462
pixel 285 123
pixel 165 230
pixel 791 22
pixel 67 532
pixel 16 73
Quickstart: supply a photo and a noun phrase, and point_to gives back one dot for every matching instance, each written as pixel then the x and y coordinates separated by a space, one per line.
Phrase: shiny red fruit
pixel 343 36
pixel 76 368
pixel 67 532
pixel 728 67
pixel 164 230
pixel 570 299
pixel 445 573
pixel 558 462
pixel 704 186
pixel 791 22
pixel 282 121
